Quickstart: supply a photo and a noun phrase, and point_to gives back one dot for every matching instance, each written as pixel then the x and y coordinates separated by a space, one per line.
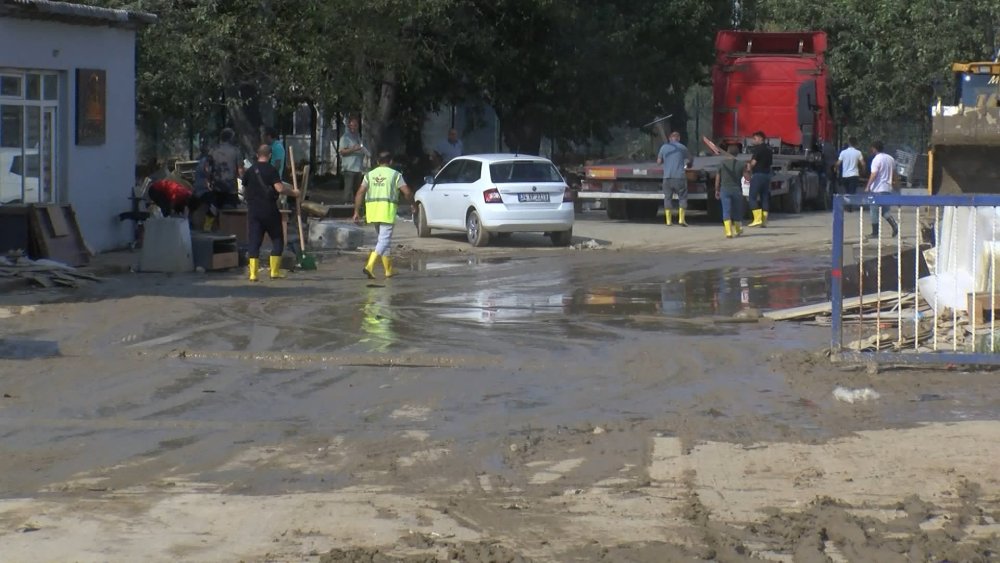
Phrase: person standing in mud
pixel 852 164
pixel 262 186
pixel 729 192
pixel 675 158
pixel 380 193
pixel 760 180
pixel 352 156
pixel 880 181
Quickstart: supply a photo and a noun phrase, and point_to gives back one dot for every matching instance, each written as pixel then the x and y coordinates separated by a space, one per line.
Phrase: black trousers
pixel 257 225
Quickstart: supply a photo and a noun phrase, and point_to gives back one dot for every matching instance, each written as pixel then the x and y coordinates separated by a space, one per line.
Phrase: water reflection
pixel 377 330
pixel 705 292
pixel 568 292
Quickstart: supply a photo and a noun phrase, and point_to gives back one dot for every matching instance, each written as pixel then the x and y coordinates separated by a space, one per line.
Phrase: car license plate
pixel 533 197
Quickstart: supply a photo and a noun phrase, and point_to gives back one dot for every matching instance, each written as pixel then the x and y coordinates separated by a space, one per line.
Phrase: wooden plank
pixel 57 218
pixel 40 279
pixel 983 308
pixel 806 311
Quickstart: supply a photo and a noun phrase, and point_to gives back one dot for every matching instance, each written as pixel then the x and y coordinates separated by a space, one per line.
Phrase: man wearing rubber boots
pixel 675 158
pixel 729 192
pixel 760 181
pixel 261 188
pixel 380 192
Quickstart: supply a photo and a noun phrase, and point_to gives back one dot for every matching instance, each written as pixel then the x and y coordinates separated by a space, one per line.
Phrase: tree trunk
pixel 380 104
pixel 313 136
pixel 522 129
pixel 243 115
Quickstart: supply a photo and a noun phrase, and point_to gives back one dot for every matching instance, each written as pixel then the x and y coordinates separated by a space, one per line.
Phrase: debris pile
pixel 892 321
pixel 42 273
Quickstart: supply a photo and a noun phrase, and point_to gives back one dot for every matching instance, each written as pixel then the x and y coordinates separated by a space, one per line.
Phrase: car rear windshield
pixel 524 171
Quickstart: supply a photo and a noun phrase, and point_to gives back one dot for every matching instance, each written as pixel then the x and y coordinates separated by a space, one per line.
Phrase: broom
pixel 306 262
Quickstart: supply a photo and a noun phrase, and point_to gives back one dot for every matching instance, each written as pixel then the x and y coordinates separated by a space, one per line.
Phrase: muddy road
pixel 518 404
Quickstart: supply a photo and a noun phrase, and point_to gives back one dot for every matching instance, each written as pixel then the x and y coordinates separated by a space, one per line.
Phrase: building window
pixel 29 114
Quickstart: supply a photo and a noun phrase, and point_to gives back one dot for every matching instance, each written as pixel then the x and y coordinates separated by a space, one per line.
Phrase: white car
pixel 491 194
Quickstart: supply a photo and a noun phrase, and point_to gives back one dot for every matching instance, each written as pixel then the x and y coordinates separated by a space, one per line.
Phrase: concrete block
pixel 329 235
pixel 166 246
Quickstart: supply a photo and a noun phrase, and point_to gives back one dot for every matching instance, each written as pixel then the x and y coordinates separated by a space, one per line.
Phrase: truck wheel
pixel 792 201
pixel 714 209
pixel 616 209
pixel 641 210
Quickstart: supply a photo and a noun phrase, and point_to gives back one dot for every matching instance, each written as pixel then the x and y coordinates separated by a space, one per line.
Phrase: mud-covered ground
pixel 521 403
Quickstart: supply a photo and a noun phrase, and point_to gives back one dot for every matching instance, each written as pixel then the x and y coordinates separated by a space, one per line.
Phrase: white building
pixel 67 111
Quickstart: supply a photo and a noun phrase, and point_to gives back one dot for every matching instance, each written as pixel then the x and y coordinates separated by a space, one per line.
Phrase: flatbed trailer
pixel 772 82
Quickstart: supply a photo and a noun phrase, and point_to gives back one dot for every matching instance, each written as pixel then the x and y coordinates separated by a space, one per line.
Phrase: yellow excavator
pixel 965 137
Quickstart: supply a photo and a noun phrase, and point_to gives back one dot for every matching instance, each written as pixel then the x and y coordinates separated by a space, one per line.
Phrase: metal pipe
pixel 916 279
pixel 952 256
pixel 937 270
pixel 836 276
pixel 878 277
pixel 899 275
pixel 974 313
pixel 861 266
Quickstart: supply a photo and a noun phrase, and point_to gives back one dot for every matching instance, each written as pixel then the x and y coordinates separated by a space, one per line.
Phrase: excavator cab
pixel 965 137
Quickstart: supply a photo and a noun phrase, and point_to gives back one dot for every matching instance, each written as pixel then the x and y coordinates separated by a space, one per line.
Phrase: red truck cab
pixel 772 82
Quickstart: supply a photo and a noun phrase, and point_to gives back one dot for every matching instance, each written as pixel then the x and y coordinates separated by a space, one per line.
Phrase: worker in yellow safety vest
pixel 380 192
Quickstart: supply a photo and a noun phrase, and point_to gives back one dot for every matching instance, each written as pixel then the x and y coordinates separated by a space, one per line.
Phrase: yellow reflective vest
pixel 382 194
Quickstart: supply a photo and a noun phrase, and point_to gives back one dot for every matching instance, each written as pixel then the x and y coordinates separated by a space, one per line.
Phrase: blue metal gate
pixel 936 329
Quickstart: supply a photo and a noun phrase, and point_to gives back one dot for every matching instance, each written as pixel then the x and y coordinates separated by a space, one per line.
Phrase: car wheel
pixel 421 222
pixel 474 230
pixel 562 238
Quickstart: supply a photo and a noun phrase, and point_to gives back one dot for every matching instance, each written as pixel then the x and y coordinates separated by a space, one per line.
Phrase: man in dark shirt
pixel 760 181
pixel 261 188
pixel 227 167
pixel 729 192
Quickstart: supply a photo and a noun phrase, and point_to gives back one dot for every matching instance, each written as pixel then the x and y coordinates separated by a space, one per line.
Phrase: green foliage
pixel 887 56
pixel 560 68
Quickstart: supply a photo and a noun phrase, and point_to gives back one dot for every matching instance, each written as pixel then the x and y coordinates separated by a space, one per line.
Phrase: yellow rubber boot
pixel 369 268
pixel 758 218
pixel 387 266
pixel 680 217
pixel 209 223
pixel 254 265
pixel 737 228
pixel 727 226
pixel 763 221
pixel 666 216
pixel 276 271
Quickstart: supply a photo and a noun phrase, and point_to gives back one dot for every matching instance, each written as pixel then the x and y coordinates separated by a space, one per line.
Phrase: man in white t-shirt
pixel 880 181
pixel 851 164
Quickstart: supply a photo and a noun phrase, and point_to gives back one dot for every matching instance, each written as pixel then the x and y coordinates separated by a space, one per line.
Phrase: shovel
pixel 306 262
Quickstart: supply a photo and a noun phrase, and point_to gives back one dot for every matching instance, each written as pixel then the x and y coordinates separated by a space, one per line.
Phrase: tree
pixel 554 68
pixel 887 58
pixel 569 70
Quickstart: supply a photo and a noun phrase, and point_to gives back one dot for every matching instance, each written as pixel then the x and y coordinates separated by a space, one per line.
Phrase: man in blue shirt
pixel 675 158
pixel 448 149
pixel 270 138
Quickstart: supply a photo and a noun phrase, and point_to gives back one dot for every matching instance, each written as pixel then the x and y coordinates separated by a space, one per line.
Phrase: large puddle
pixel 711 292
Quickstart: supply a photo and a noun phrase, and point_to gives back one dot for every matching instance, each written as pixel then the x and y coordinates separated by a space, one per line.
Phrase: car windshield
pixel 524 171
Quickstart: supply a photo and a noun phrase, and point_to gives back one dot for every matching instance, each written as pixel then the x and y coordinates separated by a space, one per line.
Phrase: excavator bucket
pixel 966 148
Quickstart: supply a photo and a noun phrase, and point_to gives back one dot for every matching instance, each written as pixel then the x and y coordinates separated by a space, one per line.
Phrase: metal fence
pixel 926 294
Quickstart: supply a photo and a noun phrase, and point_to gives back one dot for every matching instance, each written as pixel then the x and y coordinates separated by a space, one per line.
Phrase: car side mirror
pixel 429 180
